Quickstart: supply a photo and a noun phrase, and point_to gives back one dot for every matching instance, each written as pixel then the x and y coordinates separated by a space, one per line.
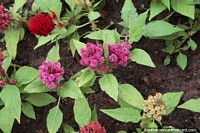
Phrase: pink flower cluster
pixel 92 56
pixel 50 73
pixel 119 54
pixel 5 18
pixel 93 127
pixel 2 71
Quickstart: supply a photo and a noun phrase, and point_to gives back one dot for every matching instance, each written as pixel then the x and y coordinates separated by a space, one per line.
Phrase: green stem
pixel 166 18
pixel 58 103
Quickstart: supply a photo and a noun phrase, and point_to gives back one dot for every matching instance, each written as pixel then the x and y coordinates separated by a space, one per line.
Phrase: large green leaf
pixel 108 36
pixel 6 120
pixel 192 105
pixel 25 75
pixel 160 28
pixel 131 95
pixel 12 39
pixel 123 114
pixel 182 61
pixel 36 86
pixel 42 40
pixel 71 3
pixel 10 95
pixel 166 3
pixel 78 45
pixel 128 12
pixel 82 112
pixel 93 15
pixel 54 119
pixel 184 7
pixel 172 100
pixel 71 89
pixel 18 4
pixel 136 27
pixel 6 63
pixel 54 55
pixel 40 99
pixel 72 47
pixel 28 110
pixel 51 5
pixel 86 78
pixel 109 84
pixel 141 57
pixel 156 7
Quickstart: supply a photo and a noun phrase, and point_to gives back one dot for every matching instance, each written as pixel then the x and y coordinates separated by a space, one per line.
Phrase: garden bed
pixel 147 80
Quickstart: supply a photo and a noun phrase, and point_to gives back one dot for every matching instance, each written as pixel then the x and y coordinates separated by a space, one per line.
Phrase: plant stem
pixel 15 65
pixel 58 101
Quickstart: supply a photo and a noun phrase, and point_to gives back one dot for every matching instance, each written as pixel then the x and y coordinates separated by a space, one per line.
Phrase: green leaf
pixel 166 3
pixel 53 55
pixel 167 61
pixel 25 75
pixel 123 114
pixel 128 12
pixel 192 44
pixel 67 128
pixel 109 84
pixel 6 63
pixel 184 7
pixel 192 105
pixel 172 100
pixel 87 90
pixel 51 5
pixel 12 39
pixel 86 78
pixel 71 4
pixel 141 57
pixel 18 4
pixel 54 119
pixel 6 120
pixel 94 116
pixel 96 35
pixel 28 110
pixel 72 47
pixel 10 95
pixel 121 132
pixel 182 61
pixel 82 112
pixel 156 7
pixel 108 36
pixel 36 86
pixel 40 99
pixel 160 28
pixel 71 89
pixel 131 95
pixel 93 15
pixel 136 27
pixel 42 40
pixel 79 45
pixel 152 125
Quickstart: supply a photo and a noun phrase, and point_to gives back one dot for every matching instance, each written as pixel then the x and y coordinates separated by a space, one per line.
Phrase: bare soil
pixel 147 80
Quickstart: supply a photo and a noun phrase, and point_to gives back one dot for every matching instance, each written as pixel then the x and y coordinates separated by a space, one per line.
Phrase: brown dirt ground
pixel 147 80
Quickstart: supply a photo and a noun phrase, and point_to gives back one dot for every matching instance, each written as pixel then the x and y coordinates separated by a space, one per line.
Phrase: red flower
pixel 93 127
pixel 41 24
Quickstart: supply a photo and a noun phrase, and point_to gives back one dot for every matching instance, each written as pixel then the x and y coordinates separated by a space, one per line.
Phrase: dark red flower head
pixel 93 127
pixel 41 24
pixel 5 18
